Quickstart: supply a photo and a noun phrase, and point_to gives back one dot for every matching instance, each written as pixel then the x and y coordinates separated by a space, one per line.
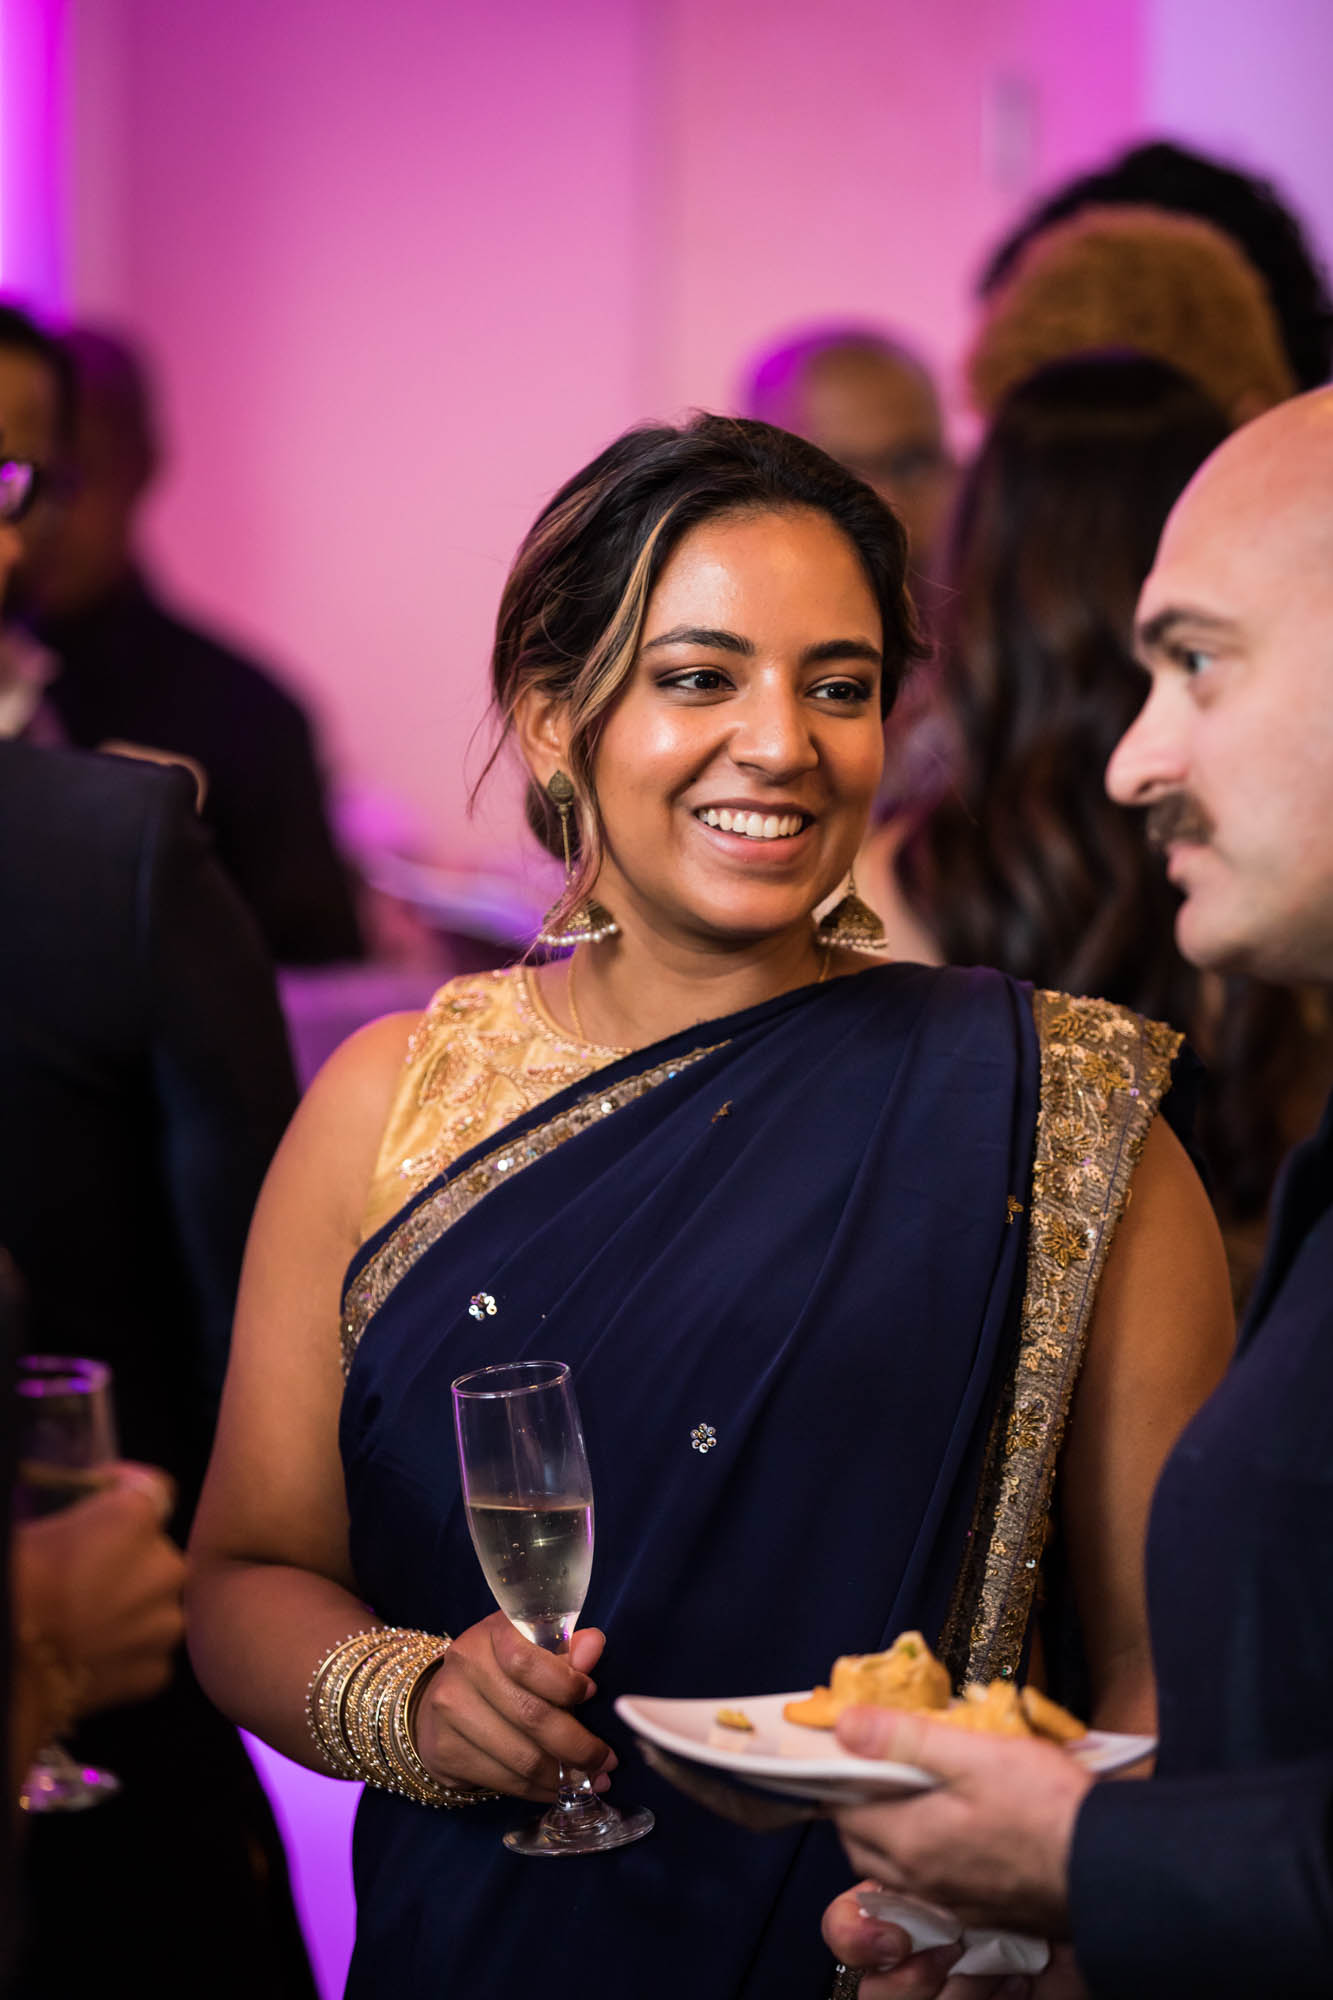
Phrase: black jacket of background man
pixel 1216 1876
pixel 132 672
pixel 144 1083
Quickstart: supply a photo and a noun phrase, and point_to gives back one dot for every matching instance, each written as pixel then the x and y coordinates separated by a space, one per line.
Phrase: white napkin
pixel 928 1925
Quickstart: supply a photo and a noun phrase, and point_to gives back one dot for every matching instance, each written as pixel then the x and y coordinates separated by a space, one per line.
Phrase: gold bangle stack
pixel 361 1704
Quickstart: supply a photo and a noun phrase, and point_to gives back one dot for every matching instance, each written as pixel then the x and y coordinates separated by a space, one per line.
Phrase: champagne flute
pixel 66 1439
pixel 528 1494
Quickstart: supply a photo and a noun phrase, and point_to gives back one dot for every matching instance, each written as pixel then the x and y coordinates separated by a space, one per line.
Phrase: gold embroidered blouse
pixel 486 1051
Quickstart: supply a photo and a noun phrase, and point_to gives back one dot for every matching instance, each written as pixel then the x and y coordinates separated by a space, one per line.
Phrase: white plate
pixel 801 1763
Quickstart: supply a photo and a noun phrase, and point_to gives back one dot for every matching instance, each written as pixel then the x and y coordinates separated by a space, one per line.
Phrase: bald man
pixel 870 403
pixel 1216 1876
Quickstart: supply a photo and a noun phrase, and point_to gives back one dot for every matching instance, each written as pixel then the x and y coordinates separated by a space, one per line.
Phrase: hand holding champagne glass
pixel 66 1441
pixel 528 1493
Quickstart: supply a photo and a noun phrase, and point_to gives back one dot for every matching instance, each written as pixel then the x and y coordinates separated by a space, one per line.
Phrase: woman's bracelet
pixel 361 1705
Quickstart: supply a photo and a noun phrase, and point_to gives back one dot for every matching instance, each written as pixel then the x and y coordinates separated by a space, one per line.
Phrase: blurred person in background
pixel 128 672
pixel 1024 862
pixel 36 435
pixel 144 1084
pixel 871 403
pixel 1165 285
pixel 867 400
pixel 90 1614
pixel 1245 207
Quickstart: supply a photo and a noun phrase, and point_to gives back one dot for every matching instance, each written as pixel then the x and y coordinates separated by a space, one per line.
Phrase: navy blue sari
pixel 806 1237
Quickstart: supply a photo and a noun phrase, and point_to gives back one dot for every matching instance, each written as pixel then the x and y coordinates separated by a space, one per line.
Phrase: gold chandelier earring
pixel 852 924
pixel 589 922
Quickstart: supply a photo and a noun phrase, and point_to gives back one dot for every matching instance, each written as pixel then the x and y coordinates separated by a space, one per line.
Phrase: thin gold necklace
pixel 572 1004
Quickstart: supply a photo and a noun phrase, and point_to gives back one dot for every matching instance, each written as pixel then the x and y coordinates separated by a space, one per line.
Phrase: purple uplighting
pixel 33 153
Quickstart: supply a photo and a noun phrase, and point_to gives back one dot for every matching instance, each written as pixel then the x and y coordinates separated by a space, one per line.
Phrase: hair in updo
pixel 573 608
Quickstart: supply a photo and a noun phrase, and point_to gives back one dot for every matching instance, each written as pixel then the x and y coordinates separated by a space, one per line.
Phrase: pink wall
pixel 855 160
pixel 404 271
pixel 1252 83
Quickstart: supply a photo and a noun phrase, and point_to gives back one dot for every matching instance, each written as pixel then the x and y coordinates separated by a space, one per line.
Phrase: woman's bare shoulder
pixel 330 1149
pixel 356 1084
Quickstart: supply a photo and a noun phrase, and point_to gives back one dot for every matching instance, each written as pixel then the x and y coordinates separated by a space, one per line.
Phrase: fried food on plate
pixel 909 1676
pixel 990 1711
pixel 1047 1718
pixel 818 1710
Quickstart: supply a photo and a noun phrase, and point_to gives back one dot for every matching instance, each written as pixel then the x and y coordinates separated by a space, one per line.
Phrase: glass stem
pixel 577 1805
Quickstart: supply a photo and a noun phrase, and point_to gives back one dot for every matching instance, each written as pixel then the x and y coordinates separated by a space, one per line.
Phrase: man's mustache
pixel 1178 817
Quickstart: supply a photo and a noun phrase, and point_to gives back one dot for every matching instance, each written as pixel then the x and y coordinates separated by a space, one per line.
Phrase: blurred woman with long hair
pixel 1023 862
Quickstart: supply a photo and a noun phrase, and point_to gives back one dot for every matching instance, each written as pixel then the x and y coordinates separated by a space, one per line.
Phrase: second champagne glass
pixel 528 1493
pixel 66 1439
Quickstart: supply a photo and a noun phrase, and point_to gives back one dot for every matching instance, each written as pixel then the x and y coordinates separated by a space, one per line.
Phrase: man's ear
pixel 541 726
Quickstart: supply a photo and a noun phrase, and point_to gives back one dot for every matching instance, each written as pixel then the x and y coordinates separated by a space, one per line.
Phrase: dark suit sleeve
pixel 222 1073
pixel 1219 1885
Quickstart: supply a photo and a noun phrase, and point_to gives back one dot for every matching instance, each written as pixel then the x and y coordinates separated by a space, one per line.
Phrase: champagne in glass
pixel 537 1561
pixel 528 1494
pixel 66 1439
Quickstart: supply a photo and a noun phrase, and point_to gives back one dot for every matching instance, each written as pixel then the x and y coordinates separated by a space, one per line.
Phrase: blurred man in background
pixel 144 1084
pixel 869 402
pixel 127 673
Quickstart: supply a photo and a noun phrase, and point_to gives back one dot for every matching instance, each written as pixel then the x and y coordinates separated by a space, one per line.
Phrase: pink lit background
pixel 404 268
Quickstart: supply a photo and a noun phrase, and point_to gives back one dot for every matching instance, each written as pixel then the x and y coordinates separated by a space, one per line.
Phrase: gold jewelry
pixel 589 922
pixel 853 924
pixel 532 993
pixel 579 1029
pixel 570 1001
pixel 360 1707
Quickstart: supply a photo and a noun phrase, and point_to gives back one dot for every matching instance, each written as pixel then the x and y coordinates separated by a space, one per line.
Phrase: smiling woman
pixel 734 775
pixel 656 500
pixel 826 1245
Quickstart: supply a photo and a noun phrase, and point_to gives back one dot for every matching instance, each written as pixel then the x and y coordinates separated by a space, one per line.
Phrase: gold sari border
pixel 425 1224
pixel 1104 1072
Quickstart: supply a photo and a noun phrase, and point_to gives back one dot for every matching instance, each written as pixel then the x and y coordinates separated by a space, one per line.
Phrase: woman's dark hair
pixel 1025 863
pixel 573 607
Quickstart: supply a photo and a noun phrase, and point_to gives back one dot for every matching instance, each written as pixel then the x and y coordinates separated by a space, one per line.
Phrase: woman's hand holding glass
pixel 497 1712
pixel 528 1493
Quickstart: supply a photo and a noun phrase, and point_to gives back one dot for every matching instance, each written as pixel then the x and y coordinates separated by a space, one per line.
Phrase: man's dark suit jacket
pixel 133 672
pixel 144 1083
pixel 1216 1877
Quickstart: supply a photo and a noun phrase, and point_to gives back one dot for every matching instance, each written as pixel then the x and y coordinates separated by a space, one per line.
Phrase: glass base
pixel 577 1831
pixel 55 1783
